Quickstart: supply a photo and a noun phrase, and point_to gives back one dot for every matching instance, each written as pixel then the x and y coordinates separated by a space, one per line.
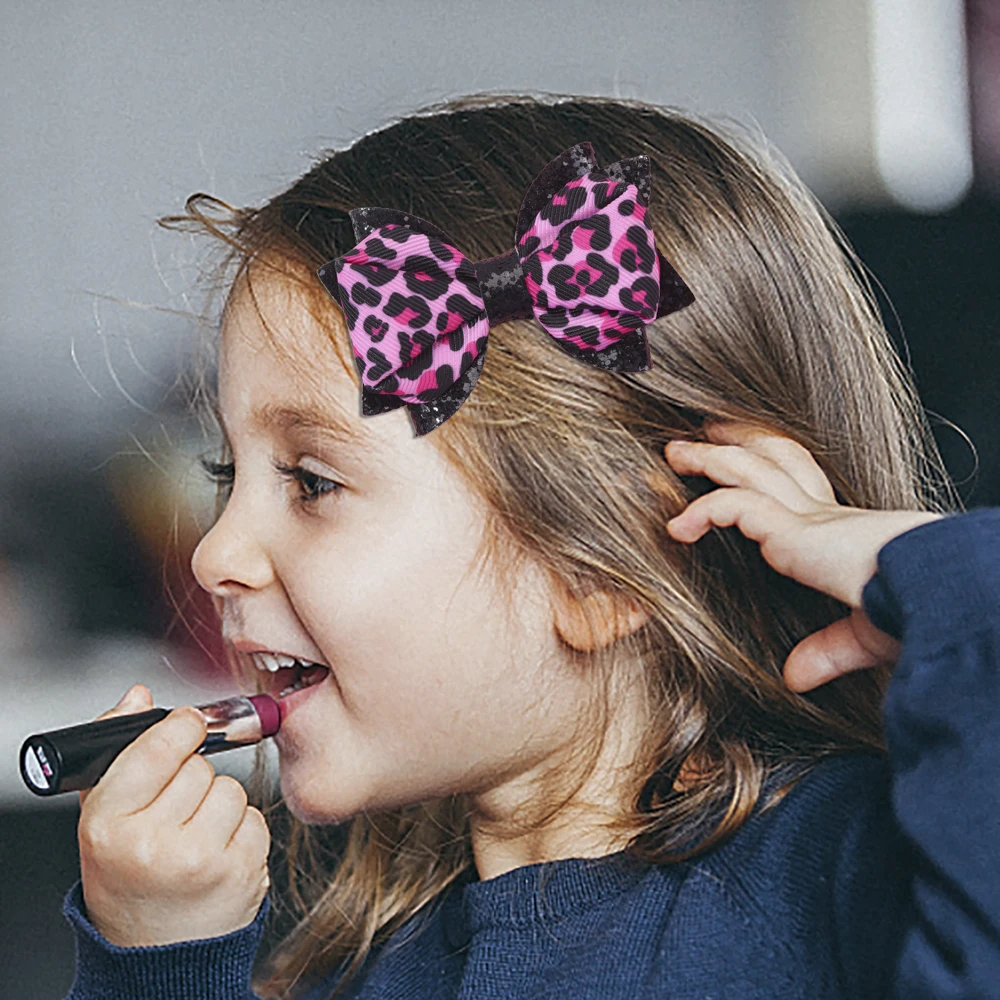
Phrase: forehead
pixel 279 368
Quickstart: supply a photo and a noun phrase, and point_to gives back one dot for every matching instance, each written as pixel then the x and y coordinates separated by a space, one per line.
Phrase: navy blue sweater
pixel 875 877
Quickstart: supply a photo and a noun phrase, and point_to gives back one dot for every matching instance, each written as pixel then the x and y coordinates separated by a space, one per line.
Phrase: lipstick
pixel 71 759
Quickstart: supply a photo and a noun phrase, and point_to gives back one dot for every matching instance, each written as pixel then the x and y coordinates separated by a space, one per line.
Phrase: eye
pixel 220 473
pixel 311 485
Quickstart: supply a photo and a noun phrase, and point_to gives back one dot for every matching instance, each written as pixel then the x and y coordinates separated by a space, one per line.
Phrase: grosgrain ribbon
pixel 585 266
pixel 414 310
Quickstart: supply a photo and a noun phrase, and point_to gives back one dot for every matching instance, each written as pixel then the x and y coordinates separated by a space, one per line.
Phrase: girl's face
pixel 432 690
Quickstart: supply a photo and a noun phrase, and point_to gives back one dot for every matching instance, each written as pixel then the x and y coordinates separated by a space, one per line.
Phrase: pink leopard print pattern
pixel 416 315
pixel 592 244
pixel 417 324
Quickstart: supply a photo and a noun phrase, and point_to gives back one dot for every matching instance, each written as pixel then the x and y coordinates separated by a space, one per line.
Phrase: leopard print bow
pixel 584 265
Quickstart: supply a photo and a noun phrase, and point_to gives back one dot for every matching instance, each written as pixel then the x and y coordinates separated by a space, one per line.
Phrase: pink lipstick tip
pixel 269 711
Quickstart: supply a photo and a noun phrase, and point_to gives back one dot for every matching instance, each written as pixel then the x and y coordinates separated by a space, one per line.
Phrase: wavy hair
pixel 568 462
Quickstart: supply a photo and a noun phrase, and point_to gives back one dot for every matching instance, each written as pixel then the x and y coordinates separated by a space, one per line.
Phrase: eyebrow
pixel 305 416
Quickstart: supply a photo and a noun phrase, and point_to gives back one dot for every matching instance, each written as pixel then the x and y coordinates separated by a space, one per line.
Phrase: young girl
pixel 599 714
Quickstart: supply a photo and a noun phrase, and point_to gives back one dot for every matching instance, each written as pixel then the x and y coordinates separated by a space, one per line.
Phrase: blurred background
pixel 114 112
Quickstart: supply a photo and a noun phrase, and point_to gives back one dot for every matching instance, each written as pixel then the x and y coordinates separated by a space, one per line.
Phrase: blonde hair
pixel 568 459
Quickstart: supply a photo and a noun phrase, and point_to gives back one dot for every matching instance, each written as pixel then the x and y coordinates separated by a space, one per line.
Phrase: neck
pixel 509 827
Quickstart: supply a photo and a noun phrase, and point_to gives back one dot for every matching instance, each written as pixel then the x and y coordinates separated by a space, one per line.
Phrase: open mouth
pixel 284 680
pixel 299 677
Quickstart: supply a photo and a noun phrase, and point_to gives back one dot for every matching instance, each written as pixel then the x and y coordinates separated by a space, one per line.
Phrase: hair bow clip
pixel 585 265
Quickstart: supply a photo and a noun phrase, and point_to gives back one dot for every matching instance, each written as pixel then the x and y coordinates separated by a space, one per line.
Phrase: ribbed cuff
pixel 208 969
pixel 940 581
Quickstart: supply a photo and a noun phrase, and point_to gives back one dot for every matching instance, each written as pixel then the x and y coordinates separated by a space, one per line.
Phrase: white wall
pixel 115 111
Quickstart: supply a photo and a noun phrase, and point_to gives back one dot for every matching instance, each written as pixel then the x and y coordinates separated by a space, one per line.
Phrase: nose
pixel 230 557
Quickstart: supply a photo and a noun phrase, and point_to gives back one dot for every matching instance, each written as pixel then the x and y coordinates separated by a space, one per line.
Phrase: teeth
pixel 271 661
pixel 275 661
pixel 297 686
pixel 267 662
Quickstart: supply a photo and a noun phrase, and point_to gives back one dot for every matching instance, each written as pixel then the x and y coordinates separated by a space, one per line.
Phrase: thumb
pixel 834 651
pixel 138 698
pixel 136 695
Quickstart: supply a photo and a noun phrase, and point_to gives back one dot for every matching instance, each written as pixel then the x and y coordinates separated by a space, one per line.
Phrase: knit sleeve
pixel 208 969
pixel 937 590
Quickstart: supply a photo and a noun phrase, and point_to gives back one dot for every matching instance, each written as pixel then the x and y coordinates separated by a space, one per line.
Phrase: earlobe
pixel 596 621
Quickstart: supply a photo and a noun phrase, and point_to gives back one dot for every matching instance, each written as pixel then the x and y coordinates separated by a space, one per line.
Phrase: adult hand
pixel 781 498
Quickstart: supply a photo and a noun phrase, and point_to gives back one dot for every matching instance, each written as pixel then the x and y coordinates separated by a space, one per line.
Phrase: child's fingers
pixel 757 515
pixel 832 652
pixel 187 789
pixel 141 771
pixel 785 452
pixel 734 465
pixel 769 522
pixel 220 813
pixel 137 698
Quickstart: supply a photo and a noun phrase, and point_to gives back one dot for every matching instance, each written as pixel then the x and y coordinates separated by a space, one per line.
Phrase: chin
pixel 312 813
pixel 322 811
pixel 314 805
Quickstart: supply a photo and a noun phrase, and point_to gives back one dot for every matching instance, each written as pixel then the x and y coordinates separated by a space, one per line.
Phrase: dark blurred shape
pixel 982 25
pixel 40 863
pixel 940 274
pixel 103 549
pixel 62 524
pixel 159 512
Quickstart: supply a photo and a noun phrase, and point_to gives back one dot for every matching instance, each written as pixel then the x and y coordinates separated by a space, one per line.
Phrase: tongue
pixel 297 677
pixel 313 675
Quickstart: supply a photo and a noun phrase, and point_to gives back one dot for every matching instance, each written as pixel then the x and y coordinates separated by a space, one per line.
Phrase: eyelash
pixel 223 473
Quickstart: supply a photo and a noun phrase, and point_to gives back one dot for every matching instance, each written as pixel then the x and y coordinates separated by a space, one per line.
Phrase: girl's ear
pixel 597 621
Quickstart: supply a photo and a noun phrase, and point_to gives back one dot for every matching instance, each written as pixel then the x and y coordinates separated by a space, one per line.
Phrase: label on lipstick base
pixel 34 768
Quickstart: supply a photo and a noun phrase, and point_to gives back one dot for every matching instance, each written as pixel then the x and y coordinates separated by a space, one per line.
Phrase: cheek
pixel 435 700
pixel 427 665
pixel 393 607
pixel 419 638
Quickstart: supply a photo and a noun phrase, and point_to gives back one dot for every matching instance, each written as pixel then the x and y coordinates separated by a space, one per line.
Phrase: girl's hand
pixel 782 499
pixel 168 850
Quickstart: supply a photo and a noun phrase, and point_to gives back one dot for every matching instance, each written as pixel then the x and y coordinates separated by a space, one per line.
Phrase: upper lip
pixel 252 646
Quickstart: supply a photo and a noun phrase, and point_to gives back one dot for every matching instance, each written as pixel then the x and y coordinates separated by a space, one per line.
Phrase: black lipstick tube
pixel 71 759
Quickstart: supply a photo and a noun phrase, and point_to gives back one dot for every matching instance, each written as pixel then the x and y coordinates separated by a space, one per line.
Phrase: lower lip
pixel 292 701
